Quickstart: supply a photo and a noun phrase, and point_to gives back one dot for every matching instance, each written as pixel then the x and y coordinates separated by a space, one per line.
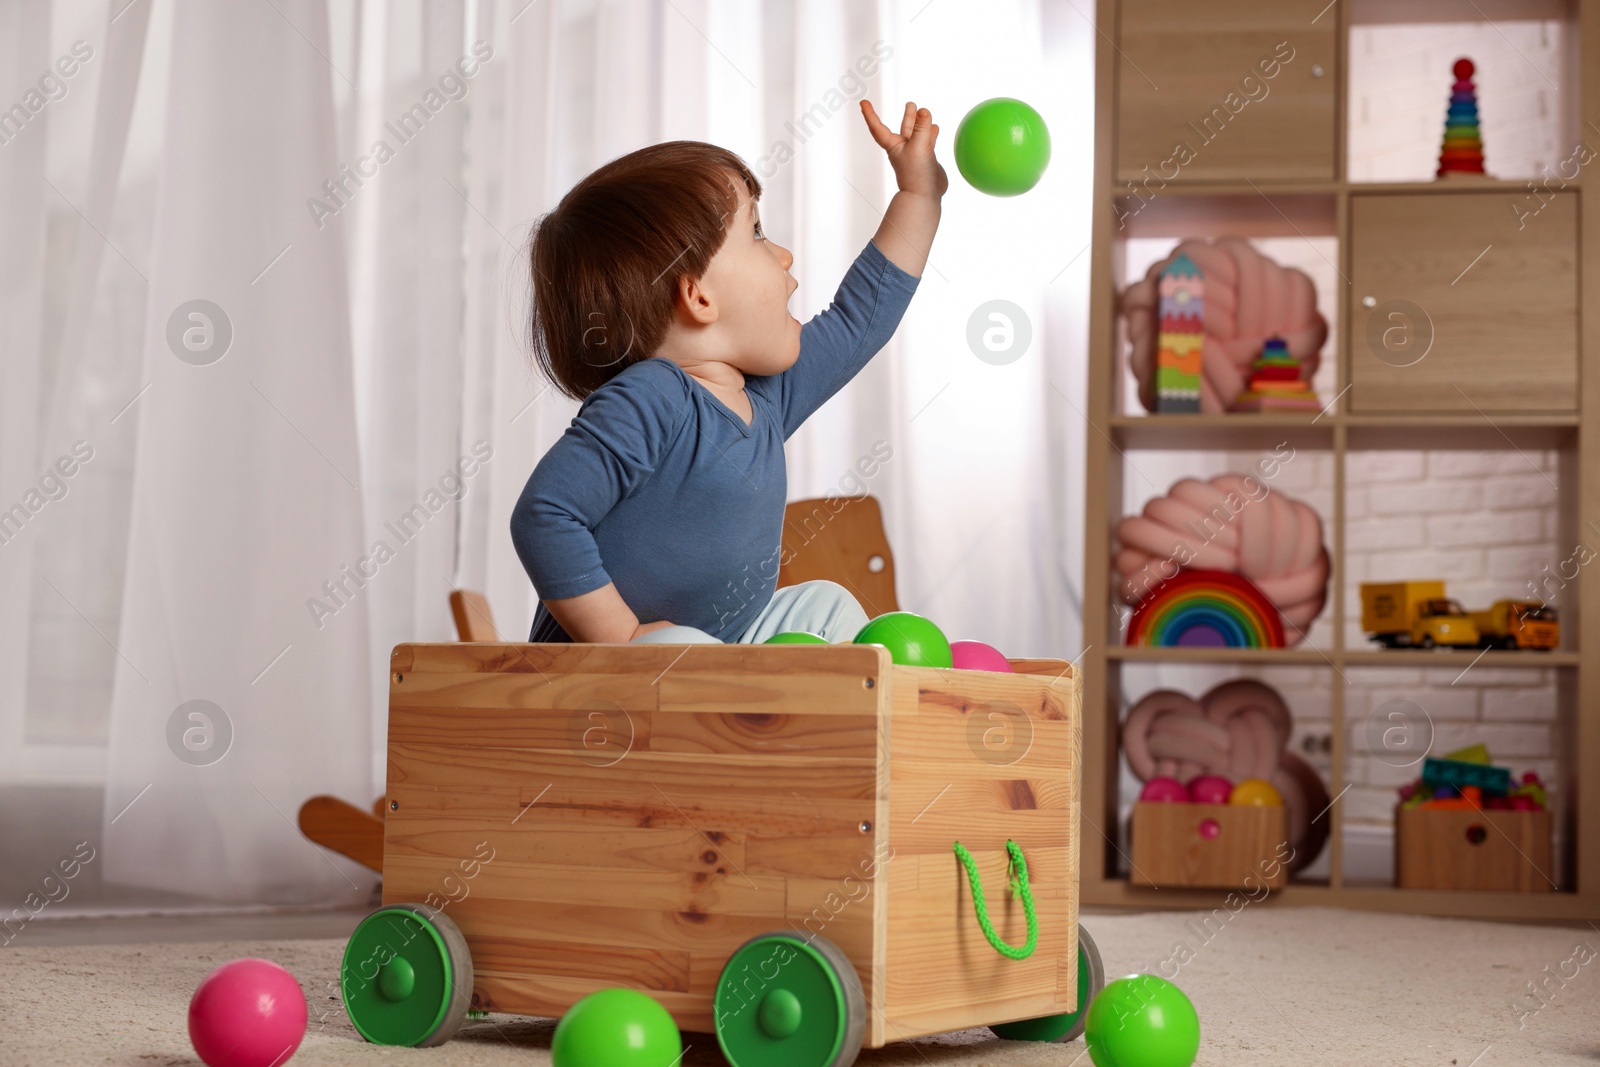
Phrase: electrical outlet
pixel 1316 746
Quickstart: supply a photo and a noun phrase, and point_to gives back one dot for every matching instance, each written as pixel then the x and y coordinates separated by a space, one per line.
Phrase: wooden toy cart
pixel 796 848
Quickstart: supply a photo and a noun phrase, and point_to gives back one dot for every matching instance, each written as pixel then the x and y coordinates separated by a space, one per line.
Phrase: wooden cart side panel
pixel 595 816
pixel 980 759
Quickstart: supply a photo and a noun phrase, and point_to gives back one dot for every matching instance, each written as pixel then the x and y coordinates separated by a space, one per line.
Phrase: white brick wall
pixel 1485 522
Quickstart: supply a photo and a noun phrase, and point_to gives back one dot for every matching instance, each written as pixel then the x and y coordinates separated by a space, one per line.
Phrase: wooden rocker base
pixel 345 828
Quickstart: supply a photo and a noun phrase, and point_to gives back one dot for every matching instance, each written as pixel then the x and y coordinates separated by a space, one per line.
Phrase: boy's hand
pixel 911 150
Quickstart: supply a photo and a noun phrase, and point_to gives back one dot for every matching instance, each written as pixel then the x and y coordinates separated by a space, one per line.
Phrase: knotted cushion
pixel 1248 298
pixel 1231 523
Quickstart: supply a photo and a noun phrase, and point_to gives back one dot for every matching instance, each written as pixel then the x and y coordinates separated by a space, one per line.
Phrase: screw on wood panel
pixel 866 827
pixel 870 683
pixel 394 805
pixel 398 678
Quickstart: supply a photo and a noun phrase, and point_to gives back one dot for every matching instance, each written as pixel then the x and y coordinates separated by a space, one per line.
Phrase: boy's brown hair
pixel 607 260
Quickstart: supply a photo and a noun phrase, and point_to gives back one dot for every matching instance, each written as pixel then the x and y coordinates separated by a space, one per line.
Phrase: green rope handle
pixel 1017 876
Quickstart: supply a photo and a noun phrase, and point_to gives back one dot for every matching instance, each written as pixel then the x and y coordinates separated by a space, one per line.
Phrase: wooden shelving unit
pixel 1282 172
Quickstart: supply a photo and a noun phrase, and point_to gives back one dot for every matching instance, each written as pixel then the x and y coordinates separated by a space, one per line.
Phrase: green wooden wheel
pixel 786 1001
pixel 407 976
pixel 1067 1026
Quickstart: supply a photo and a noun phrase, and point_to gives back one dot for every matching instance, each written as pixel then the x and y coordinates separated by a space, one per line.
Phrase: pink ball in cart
pixel 1210 789
pixel 977 656
pixel 247 1013
pixel 1164 791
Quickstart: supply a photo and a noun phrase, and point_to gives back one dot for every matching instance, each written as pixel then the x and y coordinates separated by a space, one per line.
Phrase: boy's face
pixel 749 281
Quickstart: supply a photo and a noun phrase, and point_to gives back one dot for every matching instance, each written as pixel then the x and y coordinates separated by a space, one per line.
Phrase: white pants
pixel 824 608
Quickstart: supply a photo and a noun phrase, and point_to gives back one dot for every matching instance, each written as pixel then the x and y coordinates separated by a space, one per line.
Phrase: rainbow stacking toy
pixel 1462 152
pixel 1275 383
pixel 1182 314
pixel 1206 609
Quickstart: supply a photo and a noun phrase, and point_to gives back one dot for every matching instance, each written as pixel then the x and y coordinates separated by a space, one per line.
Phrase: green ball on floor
pixel 912 640
pixel 1142 1021
pixel 795 637
pixel 618 1028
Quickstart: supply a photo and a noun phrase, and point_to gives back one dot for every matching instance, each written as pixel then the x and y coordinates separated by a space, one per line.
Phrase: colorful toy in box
pixel 1181 312
pixel 1206 609
pixel 1276 383
pixel 1234 524
pixel 1463 774
pixel 1462 151
pixel 1248 298
pixel 1237 732
pixel 1467 779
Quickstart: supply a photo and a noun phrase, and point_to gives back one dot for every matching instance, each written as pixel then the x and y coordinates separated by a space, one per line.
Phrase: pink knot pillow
pixel 1248 298
pixel 1226 524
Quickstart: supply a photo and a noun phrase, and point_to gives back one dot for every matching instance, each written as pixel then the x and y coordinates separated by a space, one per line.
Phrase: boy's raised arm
pixel 836 344
pixel 906 233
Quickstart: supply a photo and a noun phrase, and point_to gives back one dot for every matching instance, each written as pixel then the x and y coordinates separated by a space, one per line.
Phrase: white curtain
pixel 257 531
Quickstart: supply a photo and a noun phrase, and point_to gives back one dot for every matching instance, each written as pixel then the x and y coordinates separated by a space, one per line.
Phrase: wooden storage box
pixel 646 809
pixel 1504 850
pixel 1248 849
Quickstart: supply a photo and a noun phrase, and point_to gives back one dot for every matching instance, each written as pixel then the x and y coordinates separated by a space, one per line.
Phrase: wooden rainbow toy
pixel 1206 609
pixel 1462 151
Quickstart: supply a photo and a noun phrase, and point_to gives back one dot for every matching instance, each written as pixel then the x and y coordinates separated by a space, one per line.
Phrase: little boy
pixel 659 303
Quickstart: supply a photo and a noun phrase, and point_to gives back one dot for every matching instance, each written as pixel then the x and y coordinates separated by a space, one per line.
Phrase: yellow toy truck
pixel 1415 614
pixel 1518 624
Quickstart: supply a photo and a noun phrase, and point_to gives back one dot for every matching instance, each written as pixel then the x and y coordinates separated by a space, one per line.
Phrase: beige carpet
pixel 1272 986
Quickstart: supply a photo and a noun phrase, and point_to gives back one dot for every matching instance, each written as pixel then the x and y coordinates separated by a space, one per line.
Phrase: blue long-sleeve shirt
pixel 661 488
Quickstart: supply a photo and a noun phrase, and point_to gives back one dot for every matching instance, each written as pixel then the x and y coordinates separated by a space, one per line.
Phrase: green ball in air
pixel 1002 147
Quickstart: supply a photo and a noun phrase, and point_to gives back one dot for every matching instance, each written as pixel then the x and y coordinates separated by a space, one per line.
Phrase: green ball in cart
pixel 795 637
pixel 912 640
pixel 1142 1021
pixel 618 1028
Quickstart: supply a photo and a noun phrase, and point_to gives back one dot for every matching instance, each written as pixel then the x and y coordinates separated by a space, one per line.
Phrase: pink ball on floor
pixel 247 1013
pixel 977 656
pixel 1210 789
pixel 1164 791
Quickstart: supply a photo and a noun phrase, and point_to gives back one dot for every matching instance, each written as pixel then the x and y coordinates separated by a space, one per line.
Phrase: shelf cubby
pixel 1511 376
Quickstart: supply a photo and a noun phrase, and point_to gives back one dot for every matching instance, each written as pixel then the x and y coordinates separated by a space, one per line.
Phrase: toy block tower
pixel 1181 317
pixel 1462 151
pixel 1275 383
